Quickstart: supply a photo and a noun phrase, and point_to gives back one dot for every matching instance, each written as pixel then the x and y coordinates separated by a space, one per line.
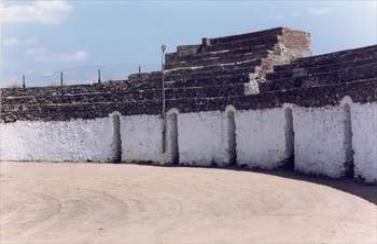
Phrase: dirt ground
pixel 106 203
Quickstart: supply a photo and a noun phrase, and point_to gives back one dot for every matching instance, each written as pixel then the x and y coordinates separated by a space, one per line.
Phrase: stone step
pixel 361 91
pixel 314 70
pixel 93 110
pixel 205 92
pixel 83 97
pixel 352 55
pixel 220 60
pixel 69 89
pixel 77 92
pixel 214 69
pixel 186 51
pixel 186 80
pixel 143 77
pixel 209 81
pixel 17 103
pixel 255 42
pixel 190 73
pixel 240 37
pixel 322 79
pixel 233 53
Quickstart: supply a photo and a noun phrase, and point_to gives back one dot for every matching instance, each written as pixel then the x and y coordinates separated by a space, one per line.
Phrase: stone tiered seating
pixel 225 56
pixel 220 56
pixel 246 36
pixel 14 99
pixel 339 67
pixel 223 61
pixel 217 68
pixel 212 68
pixel 65 90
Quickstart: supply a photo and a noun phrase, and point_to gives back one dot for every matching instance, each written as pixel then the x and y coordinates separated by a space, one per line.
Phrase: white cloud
pixel 11 42
pixel 40 54
pixel 39 11
pixel 295 14
pixel 373 6
pixel 15 42
pixel 319 11
pixel 277 16
pixel 32 48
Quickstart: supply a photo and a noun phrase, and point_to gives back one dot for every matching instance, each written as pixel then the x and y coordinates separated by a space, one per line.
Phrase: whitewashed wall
pixel 320 139
pixel 141 138
pixel 261 138
pixel 172 138
pixel 364 140
pixel 320 146
pixel 75 140
pixel 203 138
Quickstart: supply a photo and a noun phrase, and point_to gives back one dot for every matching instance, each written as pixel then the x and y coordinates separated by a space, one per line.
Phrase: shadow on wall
pixel 117 140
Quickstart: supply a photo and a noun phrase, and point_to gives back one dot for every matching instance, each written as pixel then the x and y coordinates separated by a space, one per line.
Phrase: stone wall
pixel 75 140
pixel 91 106
pixel 364 140
pixel 321 141
pixel 318 112
pixel 219 68
pixel 261 138
pixel 339 67
pixel 202 138
pixel 142 139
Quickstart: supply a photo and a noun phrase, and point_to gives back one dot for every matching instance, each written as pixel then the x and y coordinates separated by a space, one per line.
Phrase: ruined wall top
pixel 272 64
pixel 230 60
pixel 347 66
pixel 260 40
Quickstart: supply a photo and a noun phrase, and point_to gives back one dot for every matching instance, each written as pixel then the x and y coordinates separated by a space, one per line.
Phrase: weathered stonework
pixel 280 99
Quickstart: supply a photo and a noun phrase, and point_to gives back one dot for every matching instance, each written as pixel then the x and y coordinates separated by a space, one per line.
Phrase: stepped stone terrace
pixel 269 78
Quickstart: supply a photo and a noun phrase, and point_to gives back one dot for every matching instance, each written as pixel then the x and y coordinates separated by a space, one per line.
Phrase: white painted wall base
pixel 142 139
pixel 320 140
pixel 364 141
pixel 202 139
pixel 261 138
pixel 75 140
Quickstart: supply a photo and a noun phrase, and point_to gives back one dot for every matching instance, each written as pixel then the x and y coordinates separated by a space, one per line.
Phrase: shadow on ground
pixel 362 190
pixel 357 188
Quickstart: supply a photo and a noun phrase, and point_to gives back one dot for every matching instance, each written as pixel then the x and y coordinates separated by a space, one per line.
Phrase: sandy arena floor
pixel 104 203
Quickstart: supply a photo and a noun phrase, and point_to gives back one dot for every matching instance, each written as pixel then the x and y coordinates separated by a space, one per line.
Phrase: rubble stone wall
pixel 318 113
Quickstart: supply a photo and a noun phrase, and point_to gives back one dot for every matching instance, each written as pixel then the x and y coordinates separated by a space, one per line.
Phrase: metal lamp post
pixel 163 112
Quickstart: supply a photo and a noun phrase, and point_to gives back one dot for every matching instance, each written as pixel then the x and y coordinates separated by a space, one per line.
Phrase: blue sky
pixel 41 38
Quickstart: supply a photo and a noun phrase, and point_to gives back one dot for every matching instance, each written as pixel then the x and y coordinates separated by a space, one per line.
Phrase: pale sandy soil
pixel 94 203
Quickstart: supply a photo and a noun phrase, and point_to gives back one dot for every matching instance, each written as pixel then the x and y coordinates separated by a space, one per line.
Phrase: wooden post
pixel 139 72
pixel 99 76
pixel 61 79
pixel 23 81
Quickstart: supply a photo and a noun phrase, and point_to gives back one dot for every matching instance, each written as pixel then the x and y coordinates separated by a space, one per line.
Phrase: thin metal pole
pixel 23 81
pixel 99 76
pixel 163 112
pixel 61 79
